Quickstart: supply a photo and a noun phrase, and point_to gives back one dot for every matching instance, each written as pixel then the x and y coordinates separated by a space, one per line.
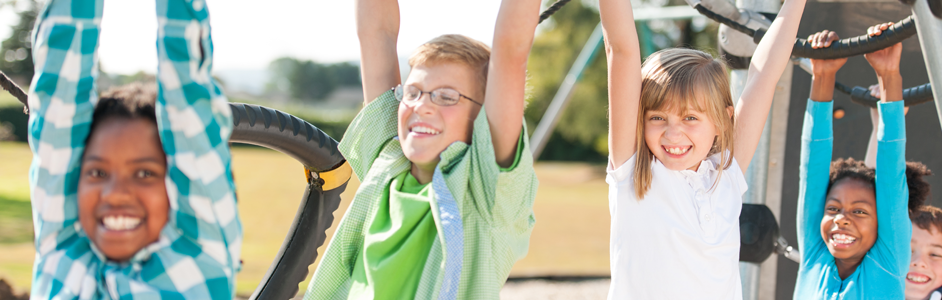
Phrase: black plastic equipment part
pixel 758 232
pixel 843 48
pixel 911 96
pixel 318 152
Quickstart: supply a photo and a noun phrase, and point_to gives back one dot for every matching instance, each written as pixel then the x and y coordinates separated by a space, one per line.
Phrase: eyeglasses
pixel 444 96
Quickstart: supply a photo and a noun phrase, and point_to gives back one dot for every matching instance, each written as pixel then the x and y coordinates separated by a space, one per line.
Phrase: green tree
pixel 311 80
pixel 16 57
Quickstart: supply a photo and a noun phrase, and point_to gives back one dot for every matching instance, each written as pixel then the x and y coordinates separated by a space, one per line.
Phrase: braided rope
pixel 552 9
pixel 14 90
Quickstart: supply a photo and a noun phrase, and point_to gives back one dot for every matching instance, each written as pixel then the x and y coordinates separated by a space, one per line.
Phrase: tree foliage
pixel 305 79
pixel 16 57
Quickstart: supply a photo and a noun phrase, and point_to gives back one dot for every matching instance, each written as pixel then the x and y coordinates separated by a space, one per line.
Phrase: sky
pixel 248 35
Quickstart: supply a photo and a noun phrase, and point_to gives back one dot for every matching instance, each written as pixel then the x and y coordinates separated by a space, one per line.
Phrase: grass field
pixel 570 238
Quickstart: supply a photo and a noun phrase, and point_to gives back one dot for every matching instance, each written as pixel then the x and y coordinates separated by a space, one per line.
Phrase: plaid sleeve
pixel 198 251
pixel 195 122
pixel 62 97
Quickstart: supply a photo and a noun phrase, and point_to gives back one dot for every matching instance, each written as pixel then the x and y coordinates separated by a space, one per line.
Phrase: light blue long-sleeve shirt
pixel 882 271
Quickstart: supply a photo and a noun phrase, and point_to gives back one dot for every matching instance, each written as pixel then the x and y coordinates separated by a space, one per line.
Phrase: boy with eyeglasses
pixel 445 207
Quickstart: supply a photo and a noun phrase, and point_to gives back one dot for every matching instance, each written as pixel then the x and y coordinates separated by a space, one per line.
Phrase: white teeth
pixel 677 150
pixel 917 278
pixel 844 239
pixel 120 222
pixel 423 129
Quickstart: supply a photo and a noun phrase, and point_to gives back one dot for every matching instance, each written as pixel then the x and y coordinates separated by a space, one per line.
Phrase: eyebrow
pixel 139 160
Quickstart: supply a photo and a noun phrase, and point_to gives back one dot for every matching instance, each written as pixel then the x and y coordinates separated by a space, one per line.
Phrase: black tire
pixel 318 153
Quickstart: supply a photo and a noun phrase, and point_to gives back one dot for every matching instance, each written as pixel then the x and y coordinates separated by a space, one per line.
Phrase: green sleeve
pixel 369 132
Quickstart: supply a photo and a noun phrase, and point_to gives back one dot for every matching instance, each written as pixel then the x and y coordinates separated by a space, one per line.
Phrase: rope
pixel 552 10
pixel 14 90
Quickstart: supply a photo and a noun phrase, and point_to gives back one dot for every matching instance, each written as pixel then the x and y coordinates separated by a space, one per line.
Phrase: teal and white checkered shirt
pixel 197 254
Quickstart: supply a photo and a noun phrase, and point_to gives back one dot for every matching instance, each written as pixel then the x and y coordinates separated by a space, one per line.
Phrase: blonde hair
pixel 676 80
pixel 455 48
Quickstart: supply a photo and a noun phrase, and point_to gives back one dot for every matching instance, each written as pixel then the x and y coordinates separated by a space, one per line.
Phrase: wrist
pixel 822 88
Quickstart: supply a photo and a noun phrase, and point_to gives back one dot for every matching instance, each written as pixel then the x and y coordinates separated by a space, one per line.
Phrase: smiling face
pixel 679 139
pixel 425 128
pixel 849 226
pixel 123 201
pixel 925 267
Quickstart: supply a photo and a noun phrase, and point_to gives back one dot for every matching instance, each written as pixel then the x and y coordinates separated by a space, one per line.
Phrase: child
pixel 845 254
pixel 676 173
pixel 925 269
pixel 446 203
pixel 132 194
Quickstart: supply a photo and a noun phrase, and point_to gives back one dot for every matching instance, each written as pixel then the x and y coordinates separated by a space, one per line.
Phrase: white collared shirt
pixel 682 240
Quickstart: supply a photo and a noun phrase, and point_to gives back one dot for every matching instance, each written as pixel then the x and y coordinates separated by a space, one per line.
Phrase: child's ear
pixel 730 110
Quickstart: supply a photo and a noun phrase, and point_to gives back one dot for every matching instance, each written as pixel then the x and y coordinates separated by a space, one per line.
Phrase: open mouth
pixel 677 150
pixel 424 130
pixel 917 278
pixel 120 223
pixel 841 240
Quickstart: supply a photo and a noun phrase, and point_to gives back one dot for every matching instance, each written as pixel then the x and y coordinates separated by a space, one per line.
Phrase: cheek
pixel 458 121
pixel 88 198
pixel 157 204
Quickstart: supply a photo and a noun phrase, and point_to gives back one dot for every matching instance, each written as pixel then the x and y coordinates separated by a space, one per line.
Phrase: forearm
pixel 822 87
pixel 61 103
pixel 768 63
pixel 816 150
pixel 624 77
pixel 892 190
pixel 891 86
pixel 378 31
pixel 506 82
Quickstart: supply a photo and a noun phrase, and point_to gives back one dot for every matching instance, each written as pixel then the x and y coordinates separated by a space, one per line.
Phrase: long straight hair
pixel 676 80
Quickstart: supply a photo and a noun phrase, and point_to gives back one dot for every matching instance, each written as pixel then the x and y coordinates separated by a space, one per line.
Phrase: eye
pixel 690 118
pixel 144 174
pixel 832 209
pixel 860 212
pixel 96 173
pixel 656 118
pixel 934 255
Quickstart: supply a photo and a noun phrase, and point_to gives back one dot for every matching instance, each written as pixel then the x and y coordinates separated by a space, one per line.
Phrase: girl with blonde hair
pixel 679 148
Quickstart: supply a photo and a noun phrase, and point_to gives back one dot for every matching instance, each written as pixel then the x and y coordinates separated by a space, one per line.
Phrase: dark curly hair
pixel 856 169
pixel 850 168
pixel 919 189
pixel 132 101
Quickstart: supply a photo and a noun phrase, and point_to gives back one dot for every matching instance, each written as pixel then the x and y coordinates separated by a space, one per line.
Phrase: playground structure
pixel 744 24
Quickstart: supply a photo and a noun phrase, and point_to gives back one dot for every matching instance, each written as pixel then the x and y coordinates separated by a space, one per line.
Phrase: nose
pixel 918 259
pixel 424 104
pixel 117 192
pixel 841 219
pixel 673 132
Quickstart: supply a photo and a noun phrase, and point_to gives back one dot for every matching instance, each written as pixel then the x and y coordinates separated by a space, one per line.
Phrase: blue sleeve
pixel 894 229
pixel 816 147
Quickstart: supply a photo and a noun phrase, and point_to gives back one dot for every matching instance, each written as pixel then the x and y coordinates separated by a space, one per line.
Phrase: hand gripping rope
pixel 326 171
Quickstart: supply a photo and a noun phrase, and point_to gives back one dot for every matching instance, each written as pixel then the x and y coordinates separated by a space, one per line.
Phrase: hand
pixel 820 67
pixel 884 61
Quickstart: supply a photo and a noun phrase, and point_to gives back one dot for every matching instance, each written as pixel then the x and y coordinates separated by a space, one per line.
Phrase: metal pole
pixel 929 30
pixel 542 132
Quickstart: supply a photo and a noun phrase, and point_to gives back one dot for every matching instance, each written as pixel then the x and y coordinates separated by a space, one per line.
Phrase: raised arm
pixel 62 98
pixel 378 30
pixel 766 68
pixel 816 145
pixel 891 188
pixel 507 75
pixel 195 121
pixel 624 78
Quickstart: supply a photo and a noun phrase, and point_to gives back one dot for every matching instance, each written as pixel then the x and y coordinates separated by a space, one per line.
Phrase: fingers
pixel 877 30
pixel 822 39
pixel 875 91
